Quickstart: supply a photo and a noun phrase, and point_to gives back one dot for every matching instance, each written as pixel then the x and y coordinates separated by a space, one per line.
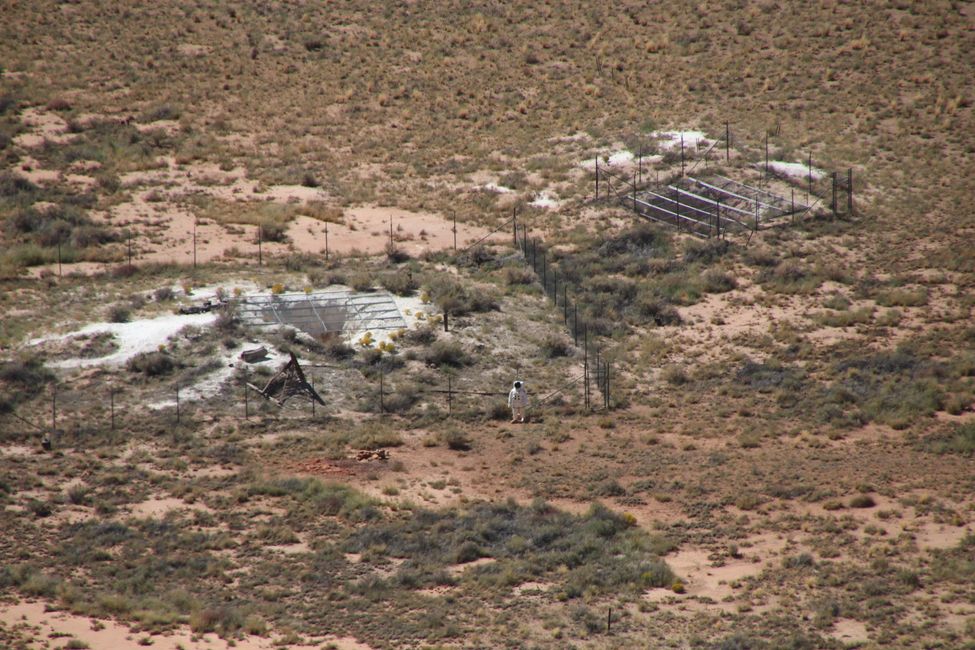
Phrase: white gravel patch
pixel 132 338
pixel 544 200
pixel 210 385
pixel 795 170
pixel 670 140
pixel 497 189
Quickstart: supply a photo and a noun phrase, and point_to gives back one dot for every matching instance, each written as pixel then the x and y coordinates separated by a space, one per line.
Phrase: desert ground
pixel 755 436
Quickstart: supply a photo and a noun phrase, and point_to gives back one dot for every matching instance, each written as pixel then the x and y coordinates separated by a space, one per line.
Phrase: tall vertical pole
pixel 450 396
pixel 194 243
pixel 54 408
pixel 565 303
pixel 111 397
pixel 514 226
pixel 727 141
pixel 454 214
pixel 597 177
pixel 326 241
pixel 682 154
pixel 390 230
pixel 260 244
pixel 756 215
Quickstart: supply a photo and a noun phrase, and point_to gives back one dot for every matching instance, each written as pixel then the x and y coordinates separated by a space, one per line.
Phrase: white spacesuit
pixel 518 401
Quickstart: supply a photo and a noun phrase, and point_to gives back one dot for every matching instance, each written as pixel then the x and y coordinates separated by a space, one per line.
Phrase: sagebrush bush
pixel 272 231
pixel 717 281
pixel 554 346
pixel 119 314
pixel 446 353
pixel 151 364
pixel 454 297
pixel 400 283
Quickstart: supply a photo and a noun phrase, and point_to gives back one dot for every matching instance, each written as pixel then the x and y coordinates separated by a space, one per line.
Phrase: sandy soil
pixel 41 625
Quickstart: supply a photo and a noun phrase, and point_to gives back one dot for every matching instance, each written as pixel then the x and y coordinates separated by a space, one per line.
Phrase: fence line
pixel 644 198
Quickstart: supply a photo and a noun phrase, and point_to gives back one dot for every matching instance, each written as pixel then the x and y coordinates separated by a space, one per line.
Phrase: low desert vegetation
pixel 786 457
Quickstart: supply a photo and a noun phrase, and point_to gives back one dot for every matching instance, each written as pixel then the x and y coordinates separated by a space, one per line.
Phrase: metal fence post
pixel 727 141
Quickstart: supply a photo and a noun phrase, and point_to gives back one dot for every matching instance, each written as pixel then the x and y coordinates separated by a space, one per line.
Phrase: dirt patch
pixel 158 508
pixel 38 625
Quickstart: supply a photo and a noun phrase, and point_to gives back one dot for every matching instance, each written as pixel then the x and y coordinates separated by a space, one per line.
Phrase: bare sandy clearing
pixel 159 507
pixel 850 631
pixel 41 625
pixel 44 126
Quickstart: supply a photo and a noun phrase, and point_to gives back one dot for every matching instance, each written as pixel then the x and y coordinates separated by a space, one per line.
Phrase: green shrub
pixel 456 439
pixel 446 353
pixel 554 346
pixel 160 112
pixel 400 283
pixel 517 275
pixel 862 501
pixel 903 297
pixel 424 335
pixel 39 508
pixel 273 231
pixel 453 297
pixel 396 255
pixel 119 314
pixel 675 375
pixel 79 494
pixel 151 364
pixel 657 311
pixel 400 400
pixel 717 281
pixel 959 440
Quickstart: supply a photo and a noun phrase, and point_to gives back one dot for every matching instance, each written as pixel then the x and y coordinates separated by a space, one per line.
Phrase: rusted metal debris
pixel 288 382
pixel 371 454
pixel 254 355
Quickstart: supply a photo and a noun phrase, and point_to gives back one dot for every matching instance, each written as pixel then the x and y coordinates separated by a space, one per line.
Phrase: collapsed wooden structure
pixel 286 383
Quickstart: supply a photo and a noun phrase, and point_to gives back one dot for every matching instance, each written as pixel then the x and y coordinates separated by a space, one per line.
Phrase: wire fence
pixel 707 204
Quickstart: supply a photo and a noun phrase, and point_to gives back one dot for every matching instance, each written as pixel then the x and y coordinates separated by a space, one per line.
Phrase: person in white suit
pixel 518 401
